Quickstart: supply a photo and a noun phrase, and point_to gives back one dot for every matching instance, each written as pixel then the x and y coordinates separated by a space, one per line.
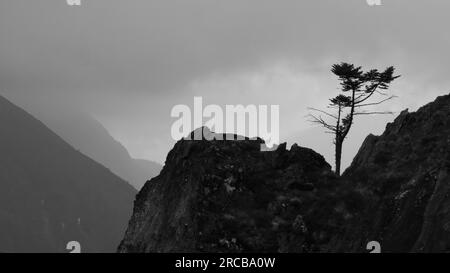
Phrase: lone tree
pixel 357 88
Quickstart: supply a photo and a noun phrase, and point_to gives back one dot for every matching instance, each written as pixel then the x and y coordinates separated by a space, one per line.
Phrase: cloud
pixel 129 62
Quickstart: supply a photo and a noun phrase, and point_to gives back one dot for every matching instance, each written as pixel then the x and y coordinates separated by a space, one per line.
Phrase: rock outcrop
pixel 403 178
pixel 227 196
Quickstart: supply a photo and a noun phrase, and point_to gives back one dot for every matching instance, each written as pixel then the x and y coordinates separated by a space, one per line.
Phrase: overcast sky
pixel 128 63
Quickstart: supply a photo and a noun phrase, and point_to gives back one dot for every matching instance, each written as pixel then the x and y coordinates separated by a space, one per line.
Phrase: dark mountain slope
pixel 404 179
pixel 90 137
pixel 51 194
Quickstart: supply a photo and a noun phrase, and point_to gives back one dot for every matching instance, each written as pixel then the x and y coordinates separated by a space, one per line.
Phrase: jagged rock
pixel 403 179
pixel 228 196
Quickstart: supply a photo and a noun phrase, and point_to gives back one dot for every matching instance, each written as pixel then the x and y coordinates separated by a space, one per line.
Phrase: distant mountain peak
pixel 90 137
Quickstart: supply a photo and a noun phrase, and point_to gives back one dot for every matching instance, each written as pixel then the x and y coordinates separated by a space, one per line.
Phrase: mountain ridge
pixel 90 137
pixel 52 194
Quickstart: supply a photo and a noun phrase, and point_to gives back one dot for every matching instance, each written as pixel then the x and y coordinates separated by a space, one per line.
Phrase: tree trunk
pixel 338 156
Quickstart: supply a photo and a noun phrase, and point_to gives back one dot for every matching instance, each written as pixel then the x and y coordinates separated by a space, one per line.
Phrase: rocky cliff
pixel 227 196
pixel 403 178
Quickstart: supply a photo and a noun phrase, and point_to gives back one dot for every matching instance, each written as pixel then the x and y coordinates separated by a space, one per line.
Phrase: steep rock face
pixel 227 196
pixel 403 178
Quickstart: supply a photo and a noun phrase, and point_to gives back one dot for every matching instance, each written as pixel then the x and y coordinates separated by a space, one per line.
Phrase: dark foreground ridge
pixel 227 196
pixel 403 179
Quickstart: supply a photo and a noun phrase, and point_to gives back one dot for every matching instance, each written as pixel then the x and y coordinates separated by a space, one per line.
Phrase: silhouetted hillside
pixel 51 194
pixel 403 177
pixel 90 137
pixel 227 196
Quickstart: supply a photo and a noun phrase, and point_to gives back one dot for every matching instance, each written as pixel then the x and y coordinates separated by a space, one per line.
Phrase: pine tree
pixel 357 89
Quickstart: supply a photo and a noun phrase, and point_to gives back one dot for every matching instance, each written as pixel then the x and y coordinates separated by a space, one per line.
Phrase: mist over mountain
pixel 51 194
pixel 92 139
pixel 132 71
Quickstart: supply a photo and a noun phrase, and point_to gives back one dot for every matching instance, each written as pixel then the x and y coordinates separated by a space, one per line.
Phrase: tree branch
pixel 376 103
pixel 374 88
pixel 323 112
pixel 374 113
pixel 320 121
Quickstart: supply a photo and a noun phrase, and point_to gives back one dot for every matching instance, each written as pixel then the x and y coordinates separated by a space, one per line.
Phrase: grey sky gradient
pixel 128 62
